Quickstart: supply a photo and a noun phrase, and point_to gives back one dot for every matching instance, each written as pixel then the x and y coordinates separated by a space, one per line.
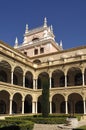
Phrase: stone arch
pixel 18 76
pixel 75 101
pixel 29 79
pixel 76 78
pixel 28 104
pixel 41 75
pixel 57 106
pixel 17 103
pixel 37 61
pixel 58 78
pixel 4 102
pixel 5 71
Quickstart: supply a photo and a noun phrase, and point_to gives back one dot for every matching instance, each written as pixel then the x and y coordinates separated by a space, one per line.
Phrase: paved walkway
pixel 49 127
pixel 55 127
pixel 45 127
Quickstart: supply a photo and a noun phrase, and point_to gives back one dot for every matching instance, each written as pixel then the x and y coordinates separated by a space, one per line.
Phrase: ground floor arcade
pixel 17 104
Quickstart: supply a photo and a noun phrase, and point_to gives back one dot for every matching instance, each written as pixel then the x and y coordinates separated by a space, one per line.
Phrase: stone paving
pixel 48 127
pixel 55 127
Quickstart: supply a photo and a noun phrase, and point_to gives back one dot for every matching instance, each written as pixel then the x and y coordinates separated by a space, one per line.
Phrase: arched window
pixel 35 39
pixel 35 51
pixel 37 61
pixel 41 50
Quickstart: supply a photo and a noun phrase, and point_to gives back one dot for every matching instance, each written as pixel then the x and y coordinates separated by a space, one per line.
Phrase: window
pixel 37 61
pixel 35 39
pixel 35 51
pixel 25 53
pixel 42 50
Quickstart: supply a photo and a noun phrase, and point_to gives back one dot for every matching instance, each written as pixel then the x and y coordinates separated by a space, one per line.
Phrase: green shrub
pixel 16 125
pixel 26 126
pixel 52 119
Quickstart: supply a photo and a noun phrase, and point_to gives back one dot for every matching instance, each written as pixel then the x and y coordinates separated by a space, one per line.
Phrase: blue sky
pixel 68 18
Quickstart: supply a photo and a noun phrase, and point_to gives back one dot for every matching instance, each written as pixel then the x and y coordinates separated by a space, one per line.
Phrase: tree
pixel 45 97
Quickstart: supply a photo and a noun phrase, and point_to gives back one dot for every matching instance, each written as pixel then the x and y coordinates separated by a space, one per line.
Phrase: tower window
pixel 35 51
pixel 35 39
pixel 25 53
pixel 42 50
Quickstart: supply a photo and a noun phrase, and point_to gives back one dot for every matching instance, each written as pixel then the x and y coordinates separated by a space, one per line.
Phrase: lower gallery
pixel 23 66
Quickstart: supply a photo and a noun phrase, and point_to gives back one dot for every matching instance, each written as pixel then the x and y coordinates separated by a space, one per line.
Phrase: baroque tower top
pixel 41 37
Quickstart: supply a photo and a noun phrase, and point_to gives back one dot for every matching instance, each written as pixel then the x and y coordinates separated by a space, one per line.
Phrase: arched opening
pixel 4 102
pixel 28 104
pixel 37 61
pixel 41 50
pixel 2 107
pixel 35 51
pixel 74 77
pixel 40 77
pixel 3 76
pixel 35 39
pixel 39 104
pixel 17 103
pixel 77 108
pixel 14 107
pixel 18 76
pixel 29 80
pixel 76 103
pixel 58 79
pixel 5 72
pixel 15 79
pixel 58 104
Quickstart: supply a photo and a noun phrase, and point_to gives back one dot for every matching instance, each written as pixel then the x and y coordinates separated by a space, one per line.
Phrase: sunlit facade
pixel 22 69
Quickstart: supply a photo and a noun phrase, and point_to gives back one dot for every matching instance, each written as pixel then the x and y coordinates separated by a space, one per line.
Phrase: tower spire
pixel 61 44
pixel 51 28
pixel 16 43
pixel 26 31
pixel 45 22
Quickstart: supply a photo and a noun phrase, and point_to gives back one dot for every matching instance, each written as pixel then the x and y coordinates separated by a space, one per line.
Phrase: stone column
pixel 22 106
pixel 50 82
pixel 34 84
pixel 33 107
pixel 23 80
pixel 11 77
pixel 36 106
pixel 10 107
pixel 84 106
pixel 50 107
pixel 66 107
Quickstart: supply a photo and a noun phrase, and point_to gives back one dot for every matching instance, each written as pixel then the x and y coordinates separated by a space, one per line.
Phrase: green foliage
pixel 42 120
pixel 16 125
pixel 45 97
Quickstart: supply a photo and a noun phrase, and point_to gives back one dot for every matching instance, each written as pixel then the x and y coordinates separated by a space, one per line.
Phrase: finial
pixel 45 22
pixel 16 42
pixel 61 43
pixel 26 31
pixel 51 28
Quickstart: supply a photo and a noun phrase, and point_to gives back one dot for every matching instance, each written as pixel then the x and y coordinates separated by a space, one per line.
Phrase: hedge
pixel 16 125
pixel 41 120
